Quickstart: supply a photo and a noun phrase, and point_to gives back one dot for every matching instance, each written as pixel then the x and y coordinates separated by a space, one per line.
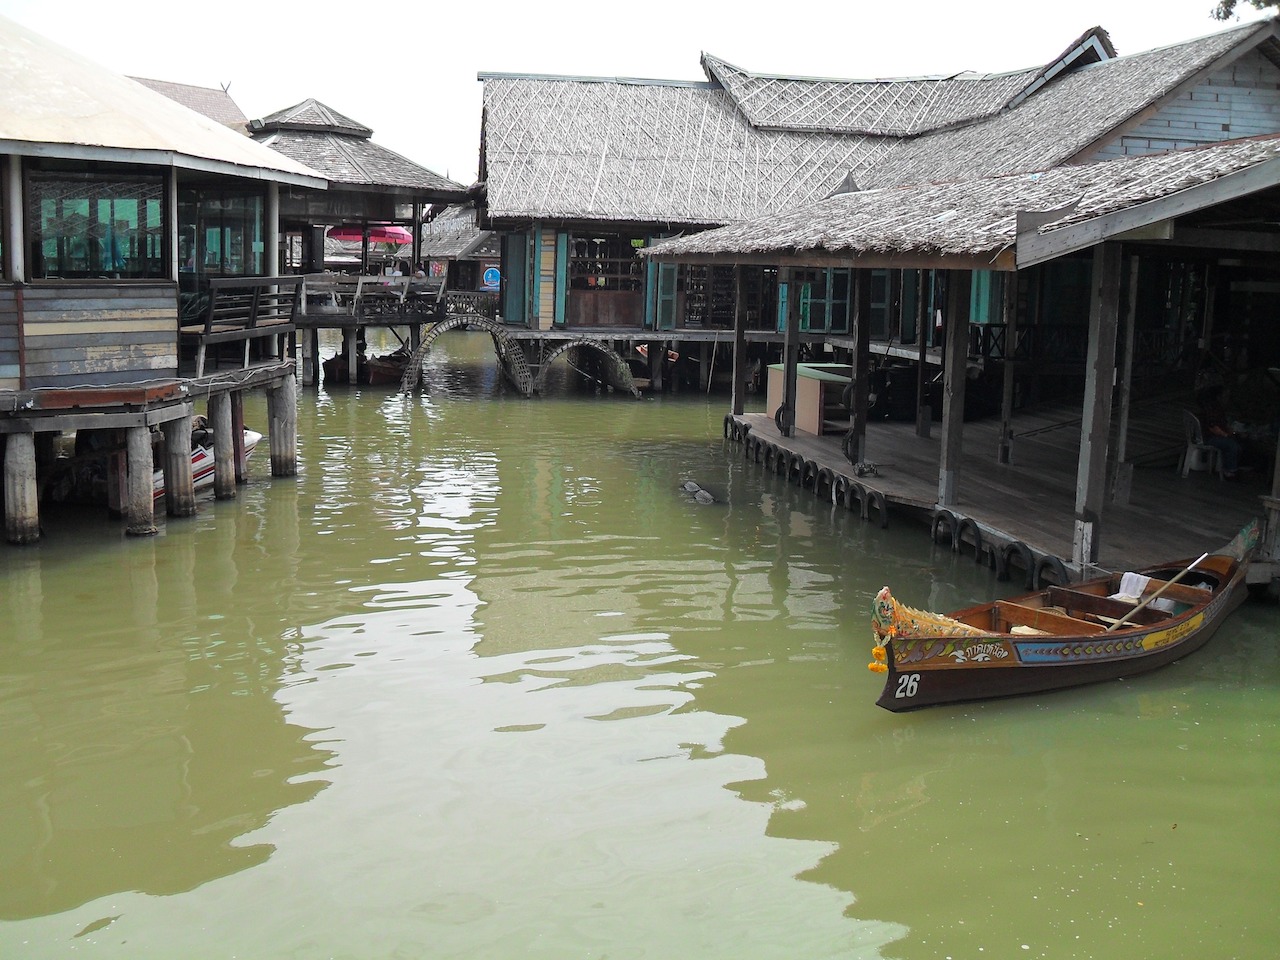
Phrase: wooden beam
pixel 737 396
pixel 1091 474
pixel 1009 314
pixel 790 358
pixel 903 260
pixel 1034 247
pixel 1227 241
pixel 924 323
pixel 1122 474
pixel 956 352
pixel 857 447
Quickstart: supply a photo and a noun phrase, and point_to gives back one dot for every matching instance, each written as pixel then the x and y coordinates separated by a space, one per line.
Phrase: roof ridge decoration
pixel 311 114
pixel 1092 46
pixel 894 107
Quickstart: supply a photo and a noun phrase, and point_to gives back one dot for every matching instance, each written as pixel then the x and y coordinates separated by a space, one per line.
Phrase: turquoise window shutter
pixel 666 303
pixel 562 277
pixel 515 290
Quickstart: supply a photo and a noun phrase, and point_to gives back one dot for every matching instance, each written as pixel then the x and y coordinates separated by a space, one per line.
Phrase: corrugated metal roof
pixel 66 105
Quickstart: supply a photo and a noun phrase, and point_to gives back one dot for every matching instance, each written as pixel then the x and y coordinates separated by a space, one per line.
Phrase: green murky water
pixel 483 682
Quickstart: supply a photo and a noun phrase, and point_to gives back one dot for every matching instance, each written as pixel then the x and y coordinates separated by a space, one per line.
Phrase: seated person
pixel 1217 429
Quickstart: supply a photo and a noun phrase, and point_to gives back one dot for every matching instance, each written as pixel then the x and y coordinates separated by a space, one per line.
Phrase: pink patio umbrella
pixel 378 233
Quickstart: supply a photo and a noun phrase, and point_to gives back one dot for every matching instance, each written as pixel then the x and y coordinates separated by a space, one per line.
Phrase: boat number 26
pixel 908 684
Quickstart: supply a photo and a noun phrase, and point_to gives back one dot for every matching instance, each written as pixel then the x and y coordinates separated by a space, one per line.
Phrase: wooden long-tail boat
pixel 1105 628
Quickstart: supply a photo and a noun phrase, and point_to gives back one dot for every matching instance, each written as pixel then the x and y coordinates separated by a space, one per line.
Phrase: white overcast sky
pixel 408 70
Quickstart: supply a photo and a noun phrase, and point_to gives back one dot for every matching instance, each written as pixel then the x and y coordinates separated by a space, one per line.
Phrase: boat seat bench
pixel 1092 604
pixel 1040 618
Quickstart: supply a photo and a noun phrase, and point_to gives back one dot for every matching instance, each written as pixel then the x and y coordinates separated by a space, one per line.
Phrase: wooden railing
pixel 241 310
pixel 372 299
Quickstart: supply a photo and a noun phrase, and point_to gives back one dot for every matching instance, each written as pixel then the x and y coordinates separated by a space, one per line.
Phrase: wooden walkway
pixel 1032 499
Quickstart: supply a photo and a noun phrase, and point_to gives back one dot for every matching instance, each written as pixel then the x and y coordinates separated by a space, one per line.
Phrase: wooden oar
pixel 1168 583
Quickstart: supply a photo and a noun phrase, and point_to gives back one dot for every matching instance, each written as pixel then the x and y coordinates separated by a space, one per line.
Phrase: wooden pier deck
pixel 1032 499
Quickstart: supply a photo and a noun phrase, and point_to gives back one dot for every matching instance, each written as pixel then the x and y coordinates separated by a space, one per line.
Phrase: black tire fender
pixel 942 518
pixel 971 526
pixel 1016 548
pixel 875 499
pixel 1055 570
pixel 827 476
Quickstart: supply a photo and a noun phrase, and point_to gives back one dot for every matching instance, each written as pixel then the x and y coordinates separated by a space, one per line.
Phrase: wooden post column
pixel 282 414
pixel 179 491
pixel 856 445
pixel 139 506
pixel 1091 475
pixel 737 398
pixel 1122 474
pixel 1009 315
pixel 785 416
pixel 21 495
pixel 924 412
pixel 955 354
pixel 224 450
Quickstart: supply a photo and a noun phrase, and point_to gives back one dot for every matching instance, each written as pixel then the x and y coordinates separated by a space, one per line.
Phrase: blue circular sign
pixel 492 277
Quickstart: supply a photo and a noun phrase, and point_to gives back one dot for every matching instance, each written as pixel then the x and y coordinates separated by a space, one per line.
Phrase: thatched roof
pixel 341 149
pixel 62 105
pixel 1062 118
pixel 976 218
pixel 743 145
pixel 648 152
pixel 883 108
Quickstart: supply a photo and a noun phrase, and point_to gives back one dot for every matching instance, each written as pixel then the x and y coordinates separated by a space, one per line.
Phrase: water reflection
pixel 142 733
pixel 467 688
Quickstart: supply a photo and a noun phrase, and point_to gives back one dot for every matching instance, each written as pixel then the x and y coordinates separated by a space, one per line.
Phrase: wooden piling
pixel 21 495
pixel 282 410
pixel 179 488
pixel 224 448
pixel 139 507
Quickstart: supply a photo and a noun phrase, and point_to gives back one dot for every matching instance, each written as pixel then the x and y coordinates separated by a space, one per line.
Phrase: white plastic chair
pixel 1198 455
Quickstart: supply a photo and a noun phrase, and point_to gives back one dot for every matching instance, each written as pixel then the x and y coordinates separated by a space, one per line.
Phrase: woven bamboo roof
pixel 885 108
pixel 1062 118
pixel 341 149
pixel 648 152
pixel 970 218
pixel 743 145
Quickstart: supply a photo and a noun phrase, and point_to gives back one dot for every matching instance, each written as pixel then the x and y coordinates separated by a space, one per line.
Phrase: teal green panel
pixel 980 296
pixel 666 300
pixel 910 305
pixel 562 277
pixel 515 290
pixel 879 306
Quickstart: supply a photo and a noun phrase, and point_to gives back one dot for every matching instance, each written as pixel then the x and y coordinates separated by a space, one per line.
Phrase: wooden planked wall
pixel 1242 100
pixel 88 334
pixel 10 378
